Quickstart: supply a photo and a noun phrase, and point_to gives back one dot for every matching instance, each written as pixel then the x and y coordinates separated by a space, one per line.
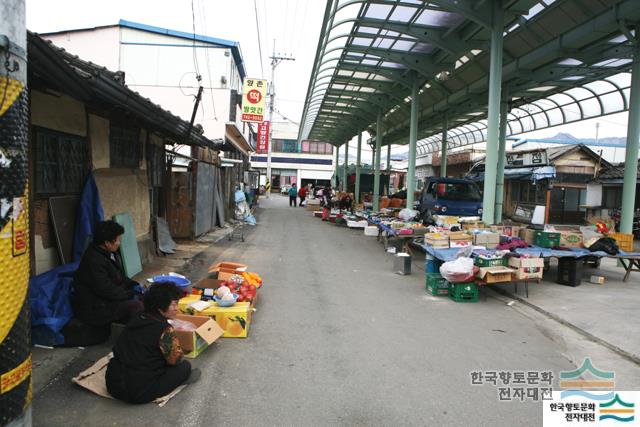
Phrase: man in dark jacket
pixel 147 359
pixel 102 292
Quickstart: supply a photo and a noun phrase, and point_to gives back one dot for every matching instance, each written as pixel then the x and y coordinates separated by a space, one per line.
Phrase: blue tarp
pixel 49 299
pixel 89 214
pixel 449 254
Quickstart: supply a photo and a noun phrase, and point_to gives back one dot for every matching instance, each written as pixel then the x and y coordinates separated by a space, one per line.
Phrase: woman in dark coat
pixel 102 293
pixel 147 358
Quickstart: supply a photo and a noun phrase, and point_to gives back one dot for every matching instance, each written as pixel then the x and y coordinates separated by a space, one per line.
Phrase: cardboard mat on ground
pixel 93 379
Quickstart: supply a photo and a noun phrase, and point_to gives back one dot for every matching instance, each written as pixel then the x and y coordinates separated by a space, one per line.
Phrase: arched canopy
pixel 563 62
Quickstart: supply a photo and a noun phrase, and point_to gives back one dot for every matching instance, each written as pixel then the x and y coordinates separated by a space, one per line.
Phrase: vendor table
pixel 385 232
pixel 629 260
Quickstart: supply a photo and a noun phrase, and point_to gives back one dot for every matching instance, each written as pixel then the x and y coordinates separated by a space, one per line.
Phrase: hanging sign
pixel 263 137
pixel 254 92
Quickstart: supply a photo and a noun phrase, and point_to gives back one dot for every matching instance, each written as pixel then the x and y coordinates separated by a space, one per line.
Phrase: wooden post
pixel 547 206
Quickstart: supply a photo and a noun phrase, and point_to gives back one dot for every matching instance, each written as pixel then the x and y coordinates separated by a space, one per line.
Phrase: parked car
pixel 450 196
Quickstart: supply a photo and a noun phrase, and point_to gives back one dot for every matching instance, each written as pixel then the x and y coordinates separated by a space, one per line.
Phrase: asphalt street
pixel 337 339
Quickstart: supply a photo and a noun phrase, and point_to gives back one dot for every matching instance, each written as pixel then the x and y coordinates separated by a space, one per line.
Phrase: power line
pixel 195 56
pixel 203 17
pixel 255 6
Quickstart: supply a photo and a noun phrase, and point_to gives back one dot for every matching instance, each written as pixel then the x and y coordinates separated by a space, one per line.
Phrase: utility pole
pixel 275 60
pixel 15 322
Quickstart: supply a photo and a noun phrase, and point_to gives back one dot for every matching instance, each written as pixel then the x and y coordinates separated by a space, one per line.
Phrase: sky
pixel 293 24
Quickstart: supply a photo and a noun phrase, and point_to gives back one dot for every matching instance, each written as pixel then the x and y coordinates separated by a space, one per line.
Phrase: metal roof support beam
pixel 376 172
pixel 389 158
pixel 443 148
pixel 358 159
pixel 502 148
pixel 423 64
pixel 493 122
pixel 633 139
pixel 413 139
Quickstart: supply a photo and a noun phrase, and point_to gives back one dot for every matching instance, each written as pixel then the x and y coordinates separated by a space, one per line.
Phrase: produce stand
pixel 629 260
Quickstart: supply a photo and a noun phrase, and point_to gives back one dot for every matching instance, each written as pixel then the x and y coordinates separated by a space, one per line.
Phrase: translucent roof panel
pixel 557 109
pixel 377 48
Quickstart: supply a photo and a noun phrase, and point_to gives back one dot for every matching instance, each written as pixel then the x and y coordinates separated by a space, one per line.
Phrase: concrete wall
pixel 99 45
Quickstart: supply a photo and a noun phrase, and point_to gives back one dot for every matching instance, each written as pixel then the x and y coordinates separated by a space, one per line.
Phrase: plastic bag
pixel 458 271
pixel 182 325
pixel 589 235
pixel 606 244
pixel 465 252
pixel 407 214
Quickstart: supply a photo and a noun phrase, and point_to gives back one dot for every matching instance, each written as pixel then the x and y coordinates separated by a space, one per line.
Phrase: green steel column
pixel 358 154
pixel 502 148
pixel 335 172
pixel 413 139
pixel 376 172
pixel 345 172
pixel 493 121
pixel 389 158
pixel 443 151
pixel 633 135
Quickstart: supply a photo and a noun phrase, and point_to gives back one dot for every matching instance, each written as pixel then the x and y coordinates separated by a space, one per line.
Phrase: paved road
pixel 338 339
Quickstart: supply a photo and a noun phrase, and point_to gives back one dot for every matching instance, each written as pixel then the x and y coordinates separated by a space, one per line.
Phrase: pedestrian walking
pixel 293 192
pixel 302 194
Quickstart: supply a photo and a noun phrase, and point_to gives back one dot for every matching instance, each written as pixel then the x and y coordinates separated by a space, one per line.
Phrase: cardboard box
pixel 528 235
pixel 227 267
pixel 437 240
pixel 495 274
pixel 185 302
pixel 472 225
pixel 527 268
pixel 313 204
pixel 507 230
pixel 488 240
pixel 460 239
pixel 195 342
pixel 597 280
pixel 234 320
pixel 571 239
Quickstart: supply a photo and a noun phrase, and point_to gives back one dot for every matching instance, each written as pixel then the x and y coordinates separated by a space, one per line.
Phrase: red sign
pixel 263 138
pixel 254 96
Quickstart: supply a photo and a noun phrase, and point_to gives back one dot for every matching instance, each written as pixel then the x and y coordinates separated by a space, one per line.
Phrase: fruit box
pixel 571 239
pixel 234 320
pixel 527 268
pixel 436 240
pixel 495 274
pixel 228 267
pixel 488 240
pixel 195 342
pixel 187 301
pixel 507 230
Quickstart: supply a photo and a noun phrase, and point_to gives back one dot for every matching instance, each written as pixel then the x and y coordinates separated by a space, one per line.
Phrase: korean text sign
pixel 254 92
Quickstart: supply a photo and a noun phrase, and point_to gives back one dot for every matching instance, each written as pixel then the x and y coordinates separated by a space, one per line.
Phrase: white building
pixel 163 65
pixel 293 162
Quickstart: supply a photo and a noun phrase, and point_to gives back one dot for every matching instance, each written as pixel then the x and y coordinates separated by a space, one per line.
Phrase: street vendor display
pixel 148 357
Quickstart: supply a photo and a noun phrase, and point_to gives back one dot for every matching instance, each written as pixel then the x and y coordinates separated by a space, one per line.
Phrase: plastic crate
pixel 569 271
pixel 432 265
pixel 546 240
pixel 463 292
pixel 436 284
pixel 483 262
pixel 624 241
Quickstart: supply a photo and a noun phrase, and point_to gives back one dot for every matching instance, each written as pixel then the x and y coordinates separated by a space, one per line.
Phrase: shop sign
pixel 535 158
pixel 254 92
pixel 263 137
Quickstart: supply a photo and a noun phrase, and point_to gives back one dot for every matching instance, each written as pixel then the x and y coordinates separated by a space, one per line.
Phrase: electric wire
pixel 255 7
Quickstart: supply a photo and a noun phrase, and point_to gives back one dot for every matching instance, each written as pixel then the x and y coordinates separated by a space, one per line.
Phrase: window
pixel 611 197
pixel 313 147
pixel 124 147
pixel 60 162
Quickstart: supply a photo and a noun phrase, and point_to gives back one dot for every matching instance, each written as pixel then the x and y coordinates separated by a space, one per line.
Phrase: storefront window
pixel 611 197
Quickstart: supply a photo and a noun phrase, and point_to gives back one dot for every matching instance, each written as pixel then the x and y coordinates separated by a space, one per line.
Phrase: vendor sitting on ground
pixel 147 358
pixel 102 293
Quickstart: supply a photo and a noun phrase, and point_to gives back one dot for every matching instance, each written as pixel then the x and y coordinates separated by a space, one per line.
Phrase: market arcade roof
pixel 564 61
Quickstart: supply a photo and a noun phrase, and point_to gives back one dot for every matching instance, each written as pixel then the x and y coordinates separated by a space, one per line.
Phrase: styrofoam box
pixel 371 230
